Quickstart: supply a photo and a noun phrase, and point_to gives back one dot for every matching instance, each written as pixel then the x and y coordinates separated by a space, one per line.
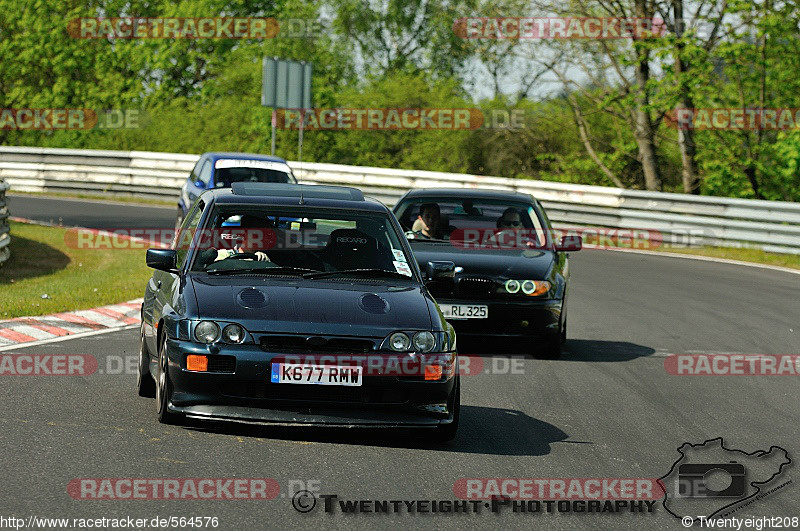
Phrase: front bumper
pixel 247 395
pixel 535 319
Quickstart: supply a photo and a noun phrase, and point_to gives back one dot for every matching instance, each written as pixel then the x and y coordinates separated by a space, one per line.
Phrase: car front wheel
pixel 164 388
pixel 144 380
pixel 447 432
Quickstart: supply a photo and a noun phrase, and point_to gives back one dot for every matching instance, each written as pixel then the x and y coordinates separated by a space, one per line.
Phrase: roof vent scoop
pixel 251 298
pixel 373 304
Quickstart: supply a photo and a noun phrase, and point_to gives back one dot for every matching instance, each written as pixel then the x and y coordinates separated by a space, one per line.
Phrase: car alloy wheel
pixel 164 388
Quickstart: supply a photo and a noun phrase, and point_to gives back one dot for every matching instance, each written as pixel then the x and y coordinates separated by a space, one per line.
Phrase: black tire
pixel 164 388
pixel 549 349
pixel 447 432
pixel 144 380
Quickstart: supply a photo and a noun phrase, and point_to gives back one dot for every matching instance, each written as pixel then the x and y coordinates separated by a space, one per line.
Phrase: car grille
pixel 222 364
pixel 313 393
pixel 474 287
pixel 312 344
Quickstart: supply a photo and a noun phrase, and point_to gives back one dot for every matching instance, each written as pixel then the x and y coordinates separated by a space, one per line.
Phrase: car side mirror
pixel 440 270
pixel 163 260
pixel 572 242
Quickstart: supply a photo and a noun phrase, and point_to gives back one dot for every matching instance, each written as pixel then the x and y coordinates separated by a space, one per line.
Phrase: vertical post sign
pixel 286 85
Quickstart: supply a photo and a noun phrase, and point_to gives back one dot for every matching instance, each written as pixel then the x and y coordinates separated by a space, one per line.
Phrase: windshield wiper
pixel 264 270
pixel 369 273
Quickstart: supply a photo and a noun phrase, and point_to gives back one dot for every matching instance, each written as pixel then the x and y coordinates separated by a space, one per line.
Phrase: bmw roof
pixel 462 193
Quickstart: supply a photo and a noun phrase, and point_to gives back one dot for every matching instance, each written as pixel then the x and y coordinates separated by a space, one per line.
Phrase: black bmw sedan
pixel 511 277
pixel 297 305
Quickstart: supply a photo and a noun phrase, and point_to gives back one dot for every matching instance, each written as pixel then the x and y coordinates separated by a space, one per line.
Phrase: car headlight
pixel 206 332
pixel 233 333
pixel 399 342
pixel 531 288
pixel 512 286
pixel 424 341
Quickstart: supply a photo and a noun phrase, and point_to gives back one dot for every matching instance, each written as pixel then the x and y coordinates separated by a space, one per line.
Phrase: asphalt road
pixel 608 409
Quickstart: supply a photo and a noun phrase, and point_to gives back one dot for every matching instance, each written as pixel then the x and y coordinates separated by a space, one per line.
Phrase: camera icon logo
pixel 718 480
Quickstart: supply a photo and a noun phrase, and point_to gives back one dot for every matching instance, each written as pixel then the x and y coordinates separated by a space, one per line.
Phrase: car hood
pixel 533 264
pixel 322 306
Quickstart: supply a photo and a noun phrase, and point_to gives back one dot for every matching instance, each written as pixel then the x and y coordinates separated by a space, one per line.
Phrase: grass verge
pixel 743 255
pixel 128 199
pixel 41 264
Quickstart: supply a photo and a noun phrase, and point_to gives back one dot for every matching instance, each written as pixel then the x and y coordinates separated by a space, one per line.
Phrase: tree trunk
pixel 689 173
pixel 644 132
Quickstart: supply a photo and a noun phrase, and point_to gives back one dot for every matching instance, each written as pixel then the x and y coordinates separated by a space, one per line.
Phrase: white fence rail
pixel 769 225
pixel 5 235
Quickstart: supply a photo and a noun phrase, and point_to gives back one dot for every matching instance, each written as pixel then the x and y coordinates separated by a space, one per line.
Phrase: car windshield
pixel 224 177
pixel 302 242
pixel 457 220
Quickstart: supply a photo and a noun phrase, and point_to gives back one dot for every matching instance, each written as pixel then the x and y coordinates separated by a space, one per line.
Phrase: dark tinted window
pixel 225 176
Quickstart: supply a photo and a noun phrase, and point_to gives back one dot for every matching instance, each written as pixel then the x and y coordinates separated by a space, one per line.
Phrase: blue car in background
pixel 220 170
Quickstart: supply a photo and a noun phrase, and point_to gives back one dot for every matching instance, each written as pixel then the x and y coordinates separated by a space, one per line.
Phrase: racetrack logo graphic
pixel 709 478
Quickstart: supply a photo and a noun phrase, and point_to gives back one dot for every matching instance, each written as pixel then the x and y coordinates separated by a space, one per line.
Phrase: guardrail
pixel 5 230
pixel 769 225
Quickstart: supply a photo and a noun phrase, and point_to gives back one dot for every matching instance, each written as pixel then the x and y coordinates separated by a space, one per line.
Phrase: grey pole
pixel 274 122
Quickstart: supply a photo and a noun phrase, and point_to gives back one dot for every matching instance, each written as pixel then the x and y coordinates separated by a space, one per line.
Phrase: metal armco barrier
pixel 769 225
pixel 5 231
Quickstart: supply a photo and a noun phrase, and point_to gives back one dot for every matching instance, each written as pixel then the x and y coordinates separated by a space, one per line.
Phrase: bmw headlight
pixel 206 332
pixel 512 286
pixel 233 333
pixel 424 341
pixel 531 288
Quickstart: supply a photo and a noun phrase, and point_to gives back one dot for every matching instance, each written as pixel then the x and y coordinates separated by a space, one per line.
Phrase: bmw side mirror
pixel 571 242
pixel 163 260
pixel 440 271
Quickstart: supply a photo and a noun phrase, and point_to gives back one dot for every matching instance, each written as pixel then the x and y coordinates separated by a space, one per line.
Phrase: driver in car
pixel 239 248
pixel 512 232
pixel 428 223
pixel 239 244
